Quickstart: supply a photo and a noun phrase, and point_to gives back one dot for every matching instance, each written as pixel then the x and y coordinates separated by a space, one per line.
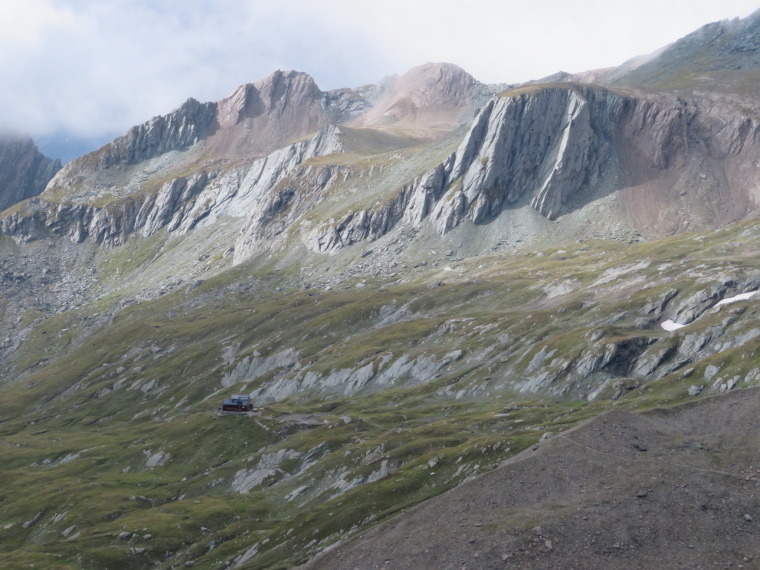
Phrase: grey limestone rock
pixel 251 368
pixel 695 390
pixel 181 128
pixel 24 170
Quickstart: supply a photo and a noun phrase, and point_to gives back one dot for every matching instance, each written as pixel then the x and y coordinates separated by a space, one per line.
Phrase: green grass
pixel 148 381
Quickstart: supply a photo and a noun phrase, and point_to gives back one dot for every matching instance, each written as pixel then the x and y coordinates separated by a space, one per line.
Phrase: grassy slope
pixel 80 431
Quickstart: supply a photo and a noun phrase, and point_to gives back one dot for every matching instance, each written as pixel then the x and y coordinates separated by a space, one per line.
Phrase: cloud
pixel 515 41
pixel 24 22
pixel 90 67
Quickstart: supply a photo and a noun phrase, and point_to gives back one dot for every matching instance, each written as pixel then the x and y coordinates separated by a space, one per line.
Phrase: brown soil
pixel 675 488
pixel 427 101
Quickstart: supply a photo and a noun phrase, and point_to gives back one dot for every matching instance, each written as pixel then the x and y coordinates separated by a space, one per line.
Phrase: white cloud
pixel 117 63
pixel 91 67
pixel 24 22
pixel 515 41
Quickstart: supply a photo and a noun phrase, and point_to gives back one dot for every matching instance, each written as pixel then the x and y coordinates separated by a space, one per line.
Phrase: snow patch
pixel 740 297
pixel 671 326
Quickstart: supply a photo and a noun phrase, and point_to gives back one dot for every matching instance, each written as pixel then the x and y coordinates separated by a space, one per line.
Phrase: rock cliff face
pixel 24 171
pixel 673 162
pixel 179 205
pixel 551 143
pixel 180 129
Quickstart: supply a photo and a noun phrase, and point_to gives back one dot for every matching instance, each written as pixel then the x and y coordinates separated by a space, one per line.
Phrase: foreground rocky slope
pixel 672 488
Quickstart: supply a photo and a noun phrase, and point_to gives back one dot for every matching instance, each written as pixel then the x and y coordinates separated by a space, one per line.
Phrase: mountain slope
pixel 414 281
pixel 665 489
pixel 24 171
pixel 722 57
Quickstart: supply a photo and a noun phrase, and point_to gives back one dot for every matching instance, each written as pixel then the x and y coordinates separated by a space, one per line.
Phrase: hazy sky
pixel 97 67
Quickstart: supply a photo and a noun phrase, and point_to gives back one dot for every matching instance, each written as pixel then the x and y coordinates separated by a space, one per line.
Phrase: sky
pixel 90 69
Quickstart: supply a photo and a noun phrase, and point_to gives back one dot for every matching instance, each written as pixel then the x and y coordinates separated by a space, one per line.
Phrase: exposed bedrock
pixel 178 205
pixel 548 144
pixel 24 170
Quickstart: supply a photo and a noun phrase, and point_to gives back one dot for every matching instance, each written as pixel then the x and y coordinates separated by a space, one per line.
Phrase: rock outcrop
pixel 24 170
pixel 674 162
pixel 550 143
pixel 177 206
pixel 178 130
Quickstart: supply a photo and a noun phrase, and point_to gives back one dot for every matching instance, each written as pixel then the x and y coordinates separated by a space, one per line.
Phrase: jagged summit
pixel 271 95
pixel 263 116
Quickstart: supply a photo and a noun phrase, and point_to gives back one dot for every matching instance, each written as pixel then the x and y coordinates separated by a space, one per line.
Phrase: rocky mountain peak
pixel 272 95
pixel 285 87
pixel 428 99
pixel 263 116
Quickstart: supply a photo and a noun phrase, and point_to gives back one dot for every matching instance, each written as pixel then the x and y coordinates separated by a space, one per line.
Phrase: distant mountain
pixel 24 170
pixel 431 97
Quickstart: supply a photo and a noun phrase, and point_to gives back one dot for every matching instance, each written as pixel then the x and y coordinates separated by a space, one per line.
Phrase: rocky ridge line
pixel 179 205
pixel 551 143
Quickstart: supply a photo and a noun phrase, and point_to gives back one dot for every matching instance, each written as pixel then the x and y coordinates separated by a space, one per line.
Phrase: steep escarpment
pixel 24 170
pixel 549 144
pixel 182 128
pixel 178 205
pixel 673 164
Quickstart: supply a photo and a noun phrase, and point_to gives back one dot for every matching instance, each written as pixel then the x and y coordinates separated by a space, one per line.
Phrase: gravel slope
pixel 674 488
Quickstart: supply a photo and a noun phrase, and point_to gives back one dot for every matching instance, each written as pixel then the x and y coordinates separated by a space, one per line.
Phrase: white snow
pixel 741 297
pixel 671 326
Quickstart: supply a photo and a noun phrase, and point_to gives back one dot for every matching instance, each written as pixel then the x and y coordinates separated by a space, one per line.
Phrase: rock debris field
pixel 667 488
